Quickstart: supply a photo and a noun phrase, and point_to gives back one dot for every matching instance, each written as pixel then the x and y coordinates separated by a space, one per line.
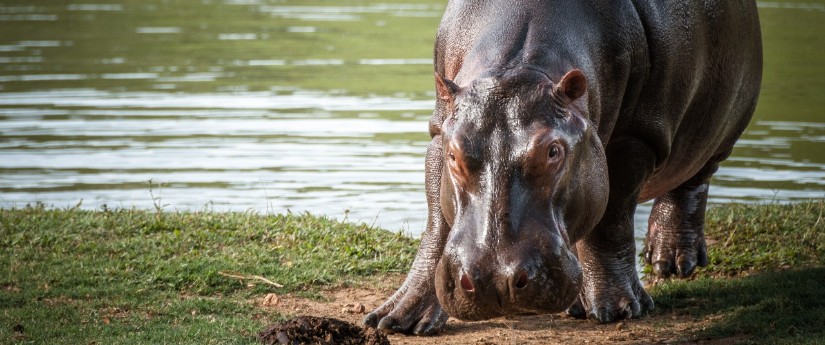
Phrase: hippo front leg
pixel 414 308
pixel 675 243
pixel 612 289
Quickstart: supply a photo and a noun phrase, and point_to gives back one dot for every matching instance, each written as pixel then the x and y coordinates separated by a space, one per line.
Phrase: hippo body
pixel 554 118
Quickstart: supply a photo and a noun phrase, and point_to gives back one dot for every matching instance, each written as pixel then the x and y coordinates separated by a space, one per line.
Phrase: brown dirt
pixel 663 328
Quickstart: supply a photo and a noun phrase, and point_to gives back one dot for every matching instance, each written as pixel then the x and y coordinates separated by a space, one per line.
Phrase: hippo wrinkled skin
pixel 553 119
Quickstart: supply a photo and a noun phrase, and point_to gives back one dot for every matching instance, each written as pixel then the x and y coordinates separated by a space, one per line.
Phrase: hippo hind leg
pixel 675 243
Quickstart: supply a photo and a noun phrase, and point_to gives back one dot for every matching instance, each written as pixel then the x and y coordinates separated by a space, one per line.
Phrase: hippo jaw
pixel 524 177
pixel 531 276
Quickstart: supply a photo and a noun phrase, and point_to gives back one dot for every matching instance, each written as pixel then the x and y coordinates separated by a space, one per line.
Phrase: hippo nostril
pixel 466 284
pixel 521 279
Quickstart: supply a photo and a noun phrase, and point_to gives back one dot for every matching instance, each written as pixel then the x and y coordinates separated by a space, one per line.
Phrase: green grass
pixel 129 276
pixel 745 239
pixel 778 254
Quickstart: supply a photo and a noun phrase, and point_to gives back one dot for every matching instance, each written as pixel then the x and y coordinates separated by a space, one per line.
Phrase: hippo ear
pixel 572 85
pixel 445 88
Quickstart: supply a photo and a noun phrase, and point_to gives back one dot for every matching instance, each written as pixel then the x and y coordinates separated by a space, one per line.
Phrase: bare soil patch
pixel 343 303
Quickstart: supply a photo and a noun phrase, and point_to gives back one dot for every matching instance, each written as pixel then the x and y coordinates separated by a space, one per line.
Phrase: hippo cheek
pixel 515 280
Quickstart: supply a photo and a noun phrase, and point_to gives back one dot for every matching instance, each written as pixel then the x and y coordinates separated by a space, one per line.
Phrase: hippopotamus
pixel 553 120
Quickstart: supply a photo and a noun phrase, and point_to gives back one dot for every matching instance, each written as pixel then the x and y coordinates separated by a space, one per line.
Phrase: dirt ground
pixel 344 304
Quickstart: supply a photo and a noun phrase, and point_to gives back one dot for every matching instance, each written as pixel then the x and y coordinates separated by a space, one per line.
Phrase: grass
pixel 777 251
pixel 744 239
pixel 130 276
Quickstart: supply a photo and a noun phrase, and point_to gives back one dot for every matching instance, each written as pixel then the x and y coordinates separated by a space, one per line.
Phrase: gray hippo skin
pixel 553 120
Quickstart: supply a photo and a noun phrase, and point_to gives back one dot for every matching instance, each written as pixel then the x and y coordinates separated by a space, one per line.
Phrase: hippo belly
pixel 553 119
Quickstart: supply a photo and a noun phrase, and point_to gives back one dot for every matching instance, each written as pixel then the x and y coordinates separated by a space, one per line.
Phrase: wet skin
pixel 553 120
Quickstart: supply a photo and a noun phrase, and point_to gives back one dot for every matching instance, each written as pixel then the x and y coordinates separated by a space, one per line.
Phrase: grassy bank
pixel 129 276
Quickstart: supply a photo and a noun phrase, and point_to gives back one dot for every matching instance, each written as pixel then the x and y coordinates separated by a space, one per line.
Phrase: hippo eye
pixel 554 152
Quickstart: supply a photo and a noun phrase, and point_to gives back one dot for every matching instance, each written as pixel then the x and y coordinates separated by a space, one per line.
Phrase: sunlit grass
pixel 747 238
pixel 129 276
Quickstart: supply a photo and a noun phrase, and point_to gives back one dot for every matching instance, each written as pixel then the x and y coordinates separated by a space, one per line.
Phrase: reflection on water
pixel 267 151
pixel 295 105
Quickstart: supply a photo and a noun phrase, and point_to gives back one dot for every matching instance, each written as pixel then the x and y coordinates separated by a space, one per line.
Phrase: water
pixel 300 106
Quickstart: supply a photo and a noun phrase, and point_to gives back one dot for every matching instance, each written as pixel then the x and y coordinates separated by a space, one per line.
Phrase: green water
pixel 300 105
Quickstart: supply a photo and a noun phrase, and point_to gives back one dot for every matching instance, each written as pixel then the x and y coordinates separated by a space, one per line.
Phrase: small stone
pixel 271 300
pixel 353 308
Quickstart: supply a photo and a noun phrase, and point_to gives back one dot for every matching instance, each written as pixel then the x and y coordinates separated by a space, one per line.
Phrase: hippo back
pixel 703 81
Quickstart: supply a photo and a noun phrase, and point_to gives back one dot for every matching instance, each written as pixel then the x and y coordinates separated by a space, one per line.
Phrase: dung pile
pixel 320 330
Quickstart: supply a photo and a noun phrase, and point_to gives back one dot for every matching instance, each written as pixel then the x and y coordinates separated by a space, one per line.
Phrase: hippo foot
pixel 413 309
pixel 675 252
pixel 608 299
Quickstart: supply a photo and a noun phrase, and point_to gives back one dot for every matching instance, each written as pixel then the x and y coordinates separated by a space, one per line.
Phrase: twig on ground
pixel 253 277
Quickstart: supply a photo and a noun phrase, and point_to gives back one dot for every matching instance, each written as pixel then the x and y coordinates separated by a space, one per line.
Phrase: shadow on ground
pixel 773 307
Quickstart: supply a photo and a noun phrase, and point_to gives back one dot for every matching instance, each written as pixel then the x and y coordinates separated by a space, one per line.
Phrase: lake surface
pixel 300 106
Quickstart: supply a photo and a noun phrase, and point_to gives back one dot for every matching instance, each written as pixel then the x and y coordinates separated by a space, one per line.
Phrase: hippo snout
pixel 474 284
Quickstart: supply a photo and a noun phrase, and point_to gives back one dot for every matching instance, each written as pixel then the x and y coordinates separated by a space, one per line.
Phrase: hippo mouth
pixel 471 293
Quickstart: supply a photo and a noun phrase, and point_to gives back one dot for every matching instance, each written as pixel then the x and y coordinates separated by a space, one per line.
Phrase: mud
pixel 320 330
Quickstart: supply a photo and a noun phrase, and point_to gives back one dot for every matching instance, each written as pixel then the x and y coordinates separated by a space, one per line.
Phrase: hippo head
pixel 524 178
